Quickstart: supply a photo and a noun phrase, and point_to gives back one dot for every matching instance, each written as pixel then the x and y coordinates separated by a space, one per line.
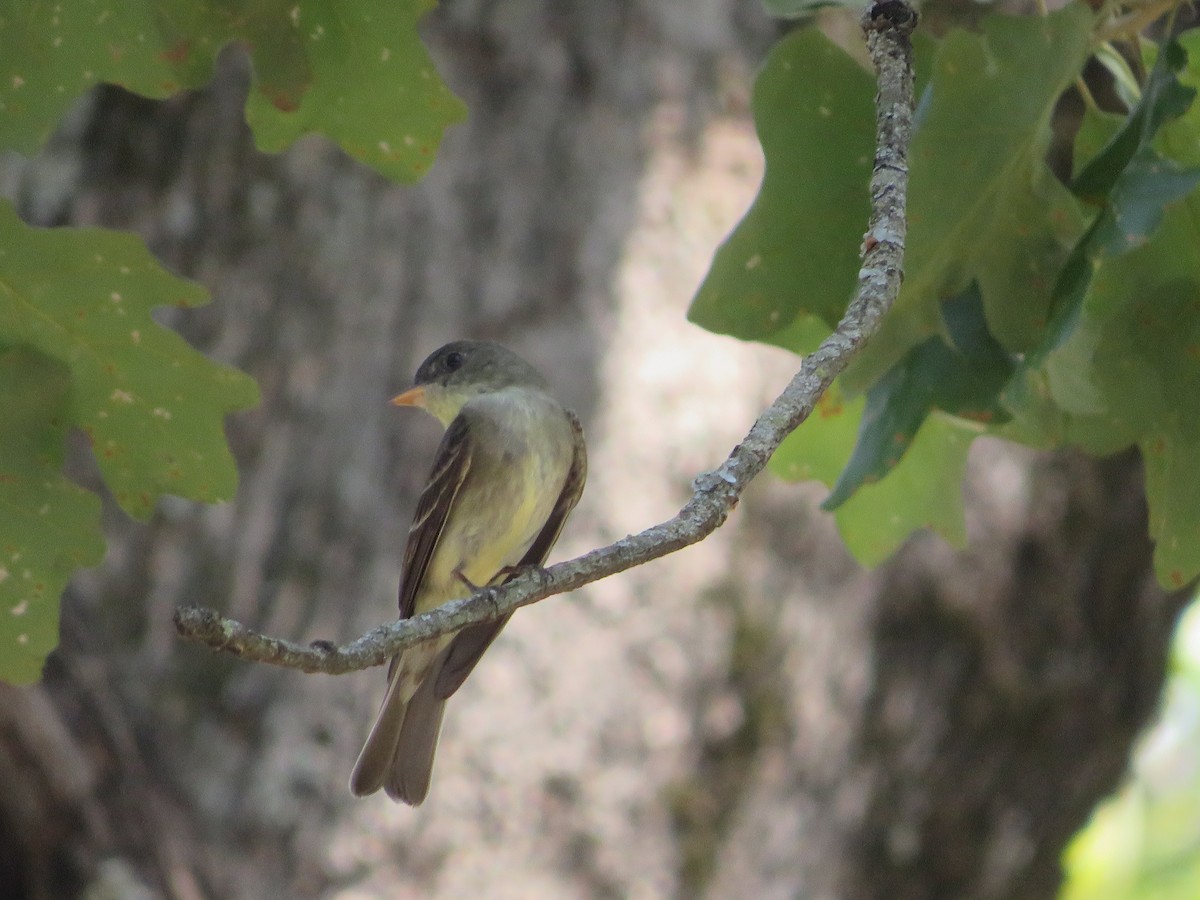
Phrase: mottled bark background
pixel 754 717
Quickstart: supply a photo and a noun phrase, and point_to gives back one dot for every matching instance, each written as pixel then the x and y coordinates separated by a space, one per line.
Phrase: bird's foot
pixel 470 585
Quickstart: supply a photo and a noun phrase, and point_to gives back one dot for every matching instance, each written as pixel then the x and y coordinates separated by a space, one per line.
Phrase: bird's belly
pixel 506 521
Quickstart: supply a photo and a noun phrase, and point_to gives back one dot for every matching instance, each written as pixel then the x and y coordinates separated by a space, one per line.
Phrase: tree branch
pixel 888 27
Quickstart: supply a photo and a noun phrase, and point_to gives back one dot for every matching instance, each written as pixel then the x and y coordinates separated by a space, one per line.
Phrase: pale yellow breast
pixel 523 450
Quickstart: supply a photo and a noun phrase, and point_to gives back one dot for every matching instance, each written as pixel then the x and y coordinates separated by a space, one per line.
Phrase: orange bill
pixel 412 397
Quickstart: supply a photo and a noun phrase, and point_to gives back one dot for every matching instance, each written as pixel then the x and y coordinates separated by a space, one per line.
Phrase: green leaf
pixel 819 448
pixel 1164 98
pixel 1133 183
pixel 353 70
pixel 374 89
pixel 963 378
pixel 1104 316
pixel 1134 209
pixel 1093 286
pixel 897 406
pixel 1120 363
pixel 983 206
pixel 48 526
pixel 922 491
pixel 1096 132
pixel 795 254
pixel 152 407
pixel 78 347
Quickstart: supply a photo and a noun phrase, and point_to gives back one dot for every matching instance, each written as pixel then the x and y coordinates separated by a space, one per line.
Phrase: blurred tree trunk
pixel 973 706
pixel 937 728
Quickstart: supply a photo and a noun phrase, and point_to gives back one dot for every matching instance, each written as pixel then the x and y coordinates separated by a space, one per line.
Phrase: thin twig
pixel 1133 23
pixel 888 27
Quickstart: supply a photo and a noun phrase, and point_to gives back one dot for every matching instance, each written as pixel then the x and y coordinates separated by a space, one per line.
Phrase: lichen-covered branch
pixel 888 27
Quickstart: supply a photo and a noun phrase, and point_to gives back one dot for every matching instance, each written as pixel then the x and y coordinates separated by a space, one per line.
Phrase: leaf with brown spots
pixel 80 349
pixel 355 70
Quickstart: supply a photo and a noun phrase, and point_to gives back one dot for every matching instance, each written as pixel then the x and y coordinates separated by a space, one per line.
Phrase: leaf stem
pixel 1086 93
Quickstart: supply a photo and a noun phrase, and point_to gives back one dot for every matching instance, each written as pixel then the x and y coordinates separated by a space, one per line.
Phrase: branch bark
pixel 888 27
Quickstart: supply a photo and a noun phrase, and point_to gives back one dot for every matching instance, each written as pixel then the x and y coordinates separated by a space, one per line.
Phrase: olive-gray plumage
pixel 509 470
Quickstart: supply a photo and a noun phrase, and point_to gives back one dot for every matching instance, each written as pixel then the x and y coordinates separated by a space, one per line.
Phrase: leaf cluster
pixel 1049 310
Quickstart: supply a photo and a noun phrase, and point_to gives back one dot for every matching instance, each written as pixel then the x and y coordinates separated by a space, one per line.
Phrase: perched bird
pixel 509 470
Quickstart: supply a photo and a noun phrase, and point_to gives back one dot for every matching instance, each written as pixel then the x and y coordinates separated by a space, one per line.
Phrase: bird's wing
pixel 450 468
pixel 470 643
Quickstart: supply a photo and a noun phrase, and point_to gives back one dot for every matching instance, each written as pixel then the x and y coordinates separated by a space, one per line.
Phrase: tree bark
pixel 756 717
pixel 974 706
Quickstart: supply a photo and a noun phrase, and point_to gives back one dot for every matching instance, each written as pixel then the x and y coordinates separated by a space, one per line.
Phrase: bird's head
pixel 458 372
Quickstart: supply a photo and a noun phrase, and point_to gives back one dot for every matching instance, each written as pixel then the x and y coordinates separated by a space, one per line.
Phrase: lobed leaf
pixel 353 70
pixel 982 204
pixel 80 349
pixel 985 209
pixel 48 527
pixel 792 261
pixel 152 407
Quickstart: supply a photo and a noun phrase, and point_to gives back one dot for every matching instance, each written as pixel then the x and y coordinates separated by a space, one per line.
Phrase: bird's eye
pixel 454 360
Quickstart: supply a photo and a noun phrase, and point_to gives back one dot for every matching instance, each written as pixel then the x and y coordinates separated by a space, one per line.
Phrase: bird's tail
pixel 412 764
pixel 398 753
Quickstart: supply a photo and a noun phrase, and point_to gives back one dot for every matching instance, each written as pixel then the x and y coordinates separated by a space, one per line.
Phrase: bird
pixel 510 468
